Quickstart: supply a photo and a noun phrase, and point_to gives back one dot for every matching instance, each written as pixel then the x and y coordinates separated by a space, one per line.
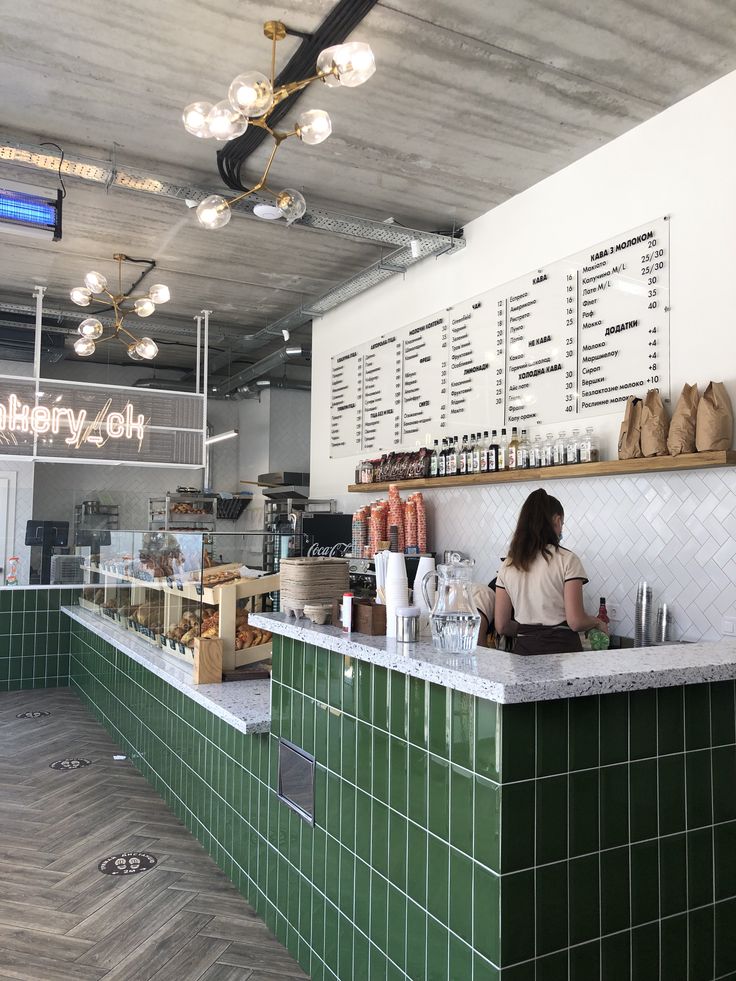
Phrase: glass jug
pixel 454 618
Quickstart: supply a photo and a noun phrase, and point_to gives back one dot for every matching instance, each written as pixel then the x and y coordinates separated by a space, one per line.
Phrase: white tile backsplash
pixel 676 530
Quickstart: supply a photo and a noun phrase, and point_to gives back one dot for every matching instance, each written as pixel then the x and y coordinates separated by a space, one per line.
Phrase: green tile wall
pixel 34 638
pixel 581 840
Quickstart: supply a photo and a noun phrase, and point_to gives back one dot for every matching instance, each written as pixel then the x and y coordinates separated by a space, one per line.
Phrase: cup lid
pixel 407 611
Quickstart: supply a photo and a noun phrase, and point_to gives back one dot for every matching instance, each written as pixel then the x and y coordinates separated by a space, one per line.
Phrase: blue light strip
pixel 24 209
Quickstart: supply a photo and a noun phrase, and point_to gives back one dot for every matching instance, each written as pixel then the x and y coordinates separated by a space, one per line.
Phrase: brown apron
pixel 534 638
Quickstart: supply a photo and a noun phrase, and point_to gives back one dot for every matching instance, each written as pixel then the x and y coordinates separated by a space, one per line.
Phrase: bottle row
pixel 481 453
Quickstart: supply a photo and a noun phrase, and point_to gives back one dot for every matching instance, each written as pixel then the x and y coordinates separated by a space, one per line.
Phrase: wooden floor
pixel 63 920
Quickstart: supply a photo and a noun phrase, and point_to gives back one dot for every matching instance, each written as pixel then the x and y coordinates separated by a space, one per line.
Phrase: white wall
pixel 677 530
pixel 680 163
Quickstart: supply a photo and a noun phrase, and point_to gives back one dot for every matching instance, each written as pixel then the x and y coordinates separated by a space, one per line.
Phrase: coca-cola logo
pixel 337 551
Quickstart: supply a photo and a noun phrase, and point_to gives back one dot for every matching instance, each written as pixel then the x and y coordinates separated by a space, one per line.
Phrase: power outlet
pixel 728 626
pixel 612 611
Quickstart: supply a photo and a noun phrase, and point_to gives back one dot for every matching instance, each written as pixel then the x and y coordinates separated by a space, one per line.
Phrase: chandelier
pixel 251 99
pixel 92 330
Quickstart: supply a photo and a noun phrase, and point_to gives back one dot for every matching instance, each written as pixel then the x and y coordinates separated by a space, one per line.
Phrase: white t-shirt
pixel 538 596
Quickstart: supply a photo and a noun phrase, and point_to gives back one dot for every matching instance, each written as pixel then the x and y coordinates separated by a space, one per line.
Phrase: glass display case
pixel 171 587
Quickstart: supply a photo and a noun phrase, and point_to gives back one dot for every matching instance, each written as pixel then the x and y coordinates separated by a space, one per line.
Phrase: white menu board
pixel 573 339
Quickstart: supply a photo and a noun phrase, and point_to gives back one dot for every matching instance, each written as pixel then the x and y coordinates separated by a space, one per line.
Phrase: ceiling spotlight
pixel 285 334
pixel 252 97
pixel 416 249
pixel 92 329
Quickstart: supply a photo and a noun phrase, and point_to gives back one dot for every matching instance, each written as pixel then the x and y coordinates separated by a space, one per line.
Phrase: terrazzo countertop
pixel 245 705
pixel 510 678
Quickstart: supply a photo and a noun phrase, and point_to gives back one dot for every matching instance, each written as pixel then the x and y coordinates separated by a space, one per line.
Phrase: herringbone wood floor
pixel 60 918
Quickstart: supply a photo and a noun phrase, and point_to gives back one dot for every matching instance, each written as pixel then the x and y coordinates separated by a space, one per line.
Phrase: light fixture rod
pixel 220 437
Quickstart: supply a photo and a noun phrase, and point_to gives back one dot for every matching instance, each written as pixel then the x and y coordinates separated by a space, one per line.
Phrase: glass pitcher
pixel 454 618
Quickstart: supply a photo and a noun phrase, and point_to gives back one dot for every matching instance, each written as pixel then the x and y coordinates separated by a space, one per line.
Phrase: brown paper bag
pixel 681 438
pixel 654 425
pixel 629 441
pixel 714 429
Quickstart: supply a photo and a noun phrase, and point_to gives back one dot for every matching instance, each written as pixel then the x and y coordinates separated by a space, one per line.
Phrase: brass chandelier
pixel 91 330
pixel 251 99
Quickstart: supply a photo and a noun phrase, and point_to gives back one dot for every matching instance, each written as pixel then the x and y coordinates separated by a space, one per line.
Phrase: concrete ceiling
pixel 473 101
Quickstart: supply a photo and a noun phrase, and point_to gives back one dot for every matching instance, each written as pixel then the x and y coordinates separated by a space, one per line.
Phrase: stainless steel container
pixel 407 624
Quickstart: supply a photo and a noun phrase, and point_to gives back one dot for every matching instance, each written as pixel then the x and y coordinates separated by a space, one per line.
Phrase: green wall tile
pixel 380 764
pixel 379 837
pixel 644 882
pixel 552 742
pixel 673 875
pixel 399 705
pixel 487 741
pixel 437 951
pixel 551 823
pixel 584 806
pixel 486 912
pixel 614 816
pixel 461 958
pixel 418 713
pixel 699 799
pixel 645 953
pixel 671 788
pixel 398 774
pixel 483 970
pixel 643 723
pixel 518 742
pixel 380 697
pixel 439 796
pixel 722 714
pixel 616 957
pixel 584 888
pixel 585 961
pixel 724 783
pixel 614 728
pixel 396 943
pixel 438 871
pixel 439 721
pixel 553 967
pixel 615 895
pixel 701 929
pixel 724 842
pixel 379 911
pixel 461 895
pixel 462 728
pixel 700 867
pixel 417 785
pixel 517 826
pixel 552 909
pixel 487 824
pixel 349 747
pixel 417 863
pixel 517 917
pixel 397 849
pixel 461 809
pixel 584 733
pixel 725 931
pixel 697 716
pixel 416 940
pixel 643 799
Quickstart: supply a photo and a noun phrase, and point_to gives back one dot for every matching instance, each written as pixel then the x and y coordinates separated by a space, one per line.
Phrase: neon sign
pixel 40 420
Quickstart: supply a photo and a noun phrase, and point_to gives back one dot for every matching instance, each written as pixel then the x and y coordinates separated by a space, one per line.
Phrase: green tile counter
pixel 455 836
pixel 34 636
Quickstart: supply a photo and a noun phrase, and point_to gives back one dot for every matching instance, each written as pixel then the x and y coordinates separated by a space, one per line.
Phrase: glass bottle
pixel 524 452
pixel 477 450
pixel 513 450
pixel 560 445
pixel 572 450
pixel 484 453
pixel 434 462
pixel 442 460
pixel 452 456
pixel 602 611
pixel 493 452
pixel 594 444
pixel 535 454
pixel 548 450
pixel 502 457
pixel 462 457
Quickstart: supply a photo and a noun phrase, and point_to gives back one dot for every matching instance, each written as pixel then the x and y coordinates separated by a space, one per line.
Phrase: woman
pixel 539 590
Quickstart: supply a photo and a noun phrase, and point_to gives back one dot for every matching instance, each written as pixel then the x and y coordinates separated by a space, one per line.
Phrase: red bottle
pixel 603 612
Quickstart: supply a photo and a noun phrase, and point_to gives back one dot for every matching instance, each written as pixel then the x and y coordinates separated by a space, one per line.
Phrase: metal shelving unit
pixel 200 513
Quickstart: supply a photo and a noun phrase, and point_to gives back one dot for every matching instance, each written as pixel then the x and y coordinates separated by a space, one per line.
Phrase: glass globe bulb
pixel 314 126
pixel 325 63
pixel 81 296
pixel 132 353
pixel 159 293
pixel 292 204
pixel 146 348
pixel 84 346
pixel 95 282
pixel 144 307
pixel 194 118
pixel 353 62
pixel 250 94
pixel 91 327
pixel 213 212
pixel 225 123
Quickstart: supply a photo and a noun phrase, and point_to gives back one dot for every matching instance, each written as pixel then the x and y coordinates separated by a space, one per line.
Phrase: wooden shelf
pixel 606 468
pixel 243 588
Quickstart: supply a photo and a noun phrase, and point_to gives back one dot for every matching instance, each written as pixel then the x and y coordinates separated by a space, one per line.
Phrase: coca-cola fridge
pixel 326 535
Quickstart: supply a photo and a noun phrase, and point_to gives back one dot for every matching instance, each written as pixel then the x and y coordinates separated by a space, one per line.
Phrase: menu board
pixel 572 339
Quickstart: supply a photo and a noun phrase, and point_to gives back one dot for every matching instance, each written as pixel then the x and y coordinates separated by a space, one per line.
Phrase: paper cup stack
pixel 397 590
pixel 309 581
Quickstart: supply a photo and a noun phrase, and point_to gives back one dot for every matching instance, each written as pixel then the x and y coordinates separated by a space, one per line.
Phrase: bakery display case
pixel 172 587
pixel 185 510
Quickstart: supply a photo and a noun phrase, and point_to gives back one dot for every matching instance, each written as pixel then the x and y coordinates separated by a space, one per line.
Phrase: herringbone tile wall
pixel 676 530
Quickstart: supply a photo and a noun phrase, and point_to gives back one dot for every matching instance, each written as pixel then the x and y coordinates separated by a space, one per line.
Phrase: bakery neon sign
pixel 41 420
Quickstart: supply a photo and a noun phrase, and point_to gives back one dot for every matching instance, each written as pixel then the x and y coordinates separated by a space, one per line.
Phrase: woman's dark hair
pixel 535 532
